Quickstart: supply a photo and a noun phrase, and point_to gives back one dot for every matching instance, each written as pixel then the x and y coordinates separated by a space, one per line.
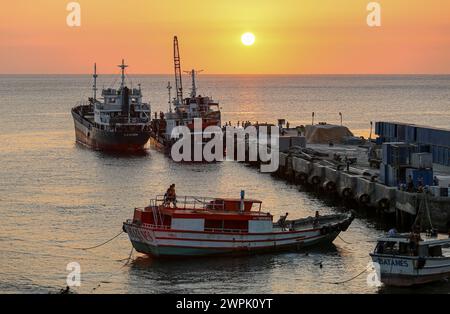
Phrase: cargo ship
pixel 184 112
pixel 201 226
pixel 119 121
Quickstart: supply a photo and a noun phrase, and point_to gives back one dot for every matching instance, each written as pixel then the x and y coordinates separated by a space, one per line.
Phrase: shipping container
pixel 417 175
pixel 437 139
pixel 392 176
pixel 380 140
pixel 422 160
pixel 401 133
pixel 410 136
pixel 423 148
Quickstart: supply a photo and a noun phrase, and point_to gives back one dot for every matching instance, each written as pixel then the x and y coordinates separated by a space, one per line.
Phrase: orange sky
pixel 292 36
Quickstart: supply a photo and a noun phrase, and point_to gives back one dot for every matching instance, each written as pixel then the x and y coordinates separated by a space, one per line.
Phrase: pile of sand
pixel 326 133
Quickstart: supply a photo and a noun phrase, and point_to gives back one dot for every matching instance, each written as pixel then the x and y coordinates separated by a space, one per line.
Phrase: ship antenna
pixel 123 66
pixel 94 88
pixel 169 87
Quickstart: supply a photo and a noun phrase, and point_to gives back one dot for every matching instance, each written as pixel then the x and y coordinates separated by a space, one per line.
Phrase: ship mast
pixel 94 87
pixel 194 87
pixel 122 67
pixel 177 65
pixel 169 87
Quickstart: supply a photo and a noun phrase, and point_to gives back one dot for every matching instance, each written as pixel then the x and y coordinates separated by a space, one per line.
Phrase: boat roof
pixel 405 238
pixel 197 206
pixel 216 214
pixel 250 200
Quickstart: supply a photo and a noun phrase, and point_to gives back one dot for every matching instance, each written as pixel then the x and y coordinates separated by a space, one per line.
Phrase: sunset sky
pixel 292 36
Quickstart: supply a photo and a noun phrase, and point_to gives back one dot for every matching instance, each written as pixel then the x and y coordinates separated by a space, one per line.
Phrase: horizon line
pixel 260 74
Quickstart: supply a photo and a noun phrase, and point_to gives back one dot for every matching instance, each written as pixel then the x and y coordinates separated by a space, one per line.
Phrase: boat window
pixel 435 251
pixel 214 224
pixel 236 224
pixel 388 247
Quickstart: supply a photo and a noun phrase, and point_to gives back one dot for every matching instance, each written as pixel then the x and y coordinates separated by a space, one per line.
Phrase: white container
pixel 422 160
pixel 443 181
pixel 435 190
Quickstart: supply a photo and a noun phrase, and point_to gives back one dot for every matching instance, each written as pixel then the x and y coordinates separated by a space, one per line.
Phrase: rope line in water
pixel 343 240
pixel 98 245
pixel 104 281
pixel 347 280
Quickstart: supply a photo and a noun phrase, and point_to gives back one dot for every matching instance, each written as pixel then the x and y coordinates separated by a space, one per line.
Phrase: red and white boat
pixel 206 226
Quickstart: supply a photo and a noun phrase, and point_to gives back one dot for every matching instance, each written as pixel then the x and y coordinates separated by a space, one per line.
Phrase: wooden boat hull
pixel 165 242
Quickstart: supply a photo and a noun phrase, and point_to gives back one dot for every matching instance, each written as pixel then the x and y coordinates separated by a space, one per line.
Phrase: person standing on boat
pixel 316 219
pixel 282 222
pixel 170 196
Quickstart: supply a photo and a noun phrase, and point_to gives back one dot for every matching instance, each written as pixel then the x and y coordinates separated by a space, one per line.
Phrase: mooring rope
pixel 114 273
pixel 347 280
pixel 343 240
pixel 98 245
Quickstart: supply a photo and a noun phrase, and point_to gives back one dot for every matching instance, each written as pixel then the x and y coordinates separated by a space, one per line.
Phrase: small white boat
pixel 407 260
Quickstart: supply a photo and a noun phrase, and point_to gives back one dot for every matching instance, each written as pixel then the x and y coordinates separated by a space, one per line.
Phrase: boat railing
pixel 191 202
pixel 226 230
pixel 153 226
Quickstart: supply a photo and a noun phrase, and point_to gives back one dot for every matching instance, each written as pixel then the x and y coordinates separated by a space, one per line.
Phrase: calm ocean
pixel 56 196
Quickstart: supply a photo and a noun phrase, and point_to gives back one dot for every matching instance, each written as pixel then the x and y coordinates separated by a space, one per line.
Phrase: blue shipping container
pixel 426 175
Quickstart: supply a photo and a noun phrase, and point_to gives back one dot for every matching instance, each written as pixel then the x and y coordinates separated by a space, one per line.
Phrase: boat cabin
pixel 206 215
pixel 408 245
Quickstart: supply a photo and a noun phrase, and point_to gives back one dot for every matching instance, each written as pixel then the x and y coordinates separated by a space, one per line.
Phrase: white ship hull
pixel 411 270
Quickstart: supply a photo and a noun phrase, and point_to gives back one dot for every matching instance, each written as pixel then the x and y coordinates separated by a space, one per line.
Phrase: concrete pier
pixel 361 186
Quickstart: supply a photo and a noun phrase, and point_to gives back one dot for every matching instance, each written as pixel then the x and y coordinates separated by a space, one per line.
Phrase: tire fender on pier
pixel 329 186
pixel 347 193
pixel 363 198
pixel 314 180
pixel 383 203
pixel 302 178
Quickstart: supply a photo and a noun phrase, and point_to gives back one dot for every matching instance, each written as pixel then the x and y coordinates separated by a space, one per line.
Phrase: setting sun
pixel 248 39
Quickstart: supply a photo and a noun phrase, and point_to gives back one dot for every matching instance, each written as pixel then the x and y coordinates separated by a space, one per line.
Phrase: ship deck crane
pixel 177 65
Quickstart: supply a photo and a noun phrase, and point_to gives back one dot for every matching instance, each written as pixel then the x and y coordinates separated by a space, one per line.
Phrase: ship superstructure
pixel 118 121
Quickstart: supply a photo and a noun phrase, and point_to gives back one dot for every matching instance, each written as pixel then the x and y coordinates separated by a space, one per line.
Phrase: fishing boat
pixel 199 226
pixel 407 259
pixel 119 121
pixel 195 112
